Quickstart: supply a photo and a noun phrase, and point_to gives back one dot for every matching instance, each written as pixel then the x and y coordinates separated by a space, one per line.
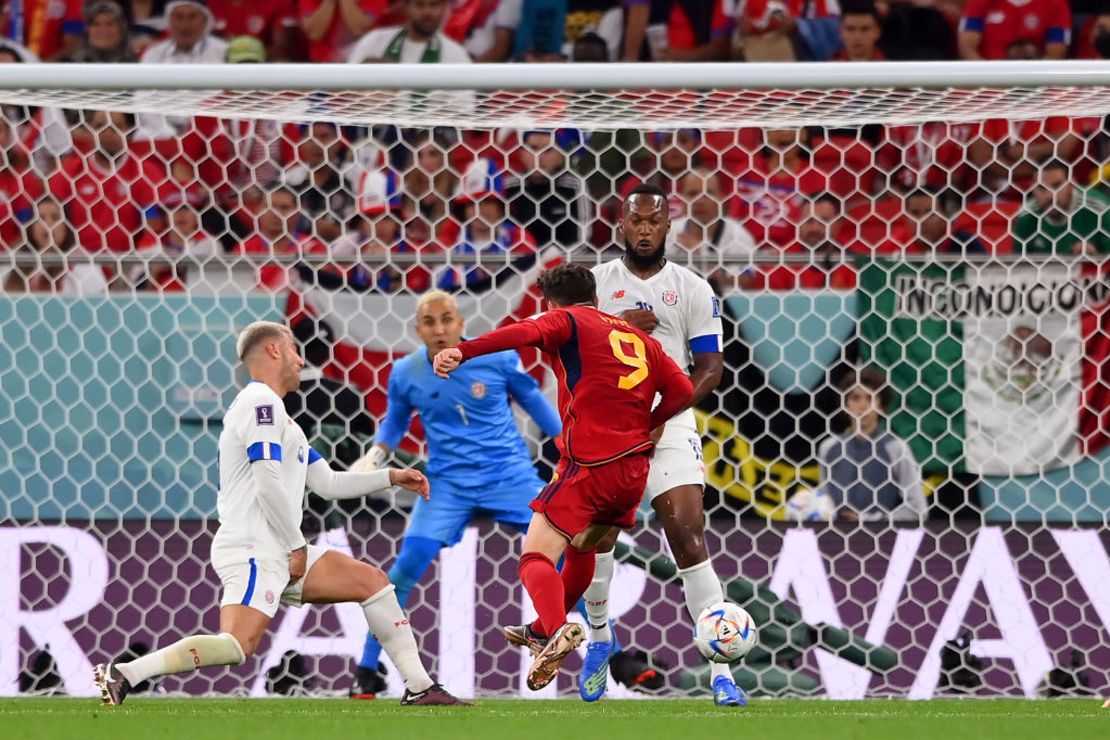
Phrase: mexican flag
pixel 999 369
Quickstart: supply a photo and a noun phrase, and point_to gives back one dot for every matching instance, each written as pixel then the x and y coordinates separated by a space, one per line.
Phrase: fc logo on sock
pixel 401 623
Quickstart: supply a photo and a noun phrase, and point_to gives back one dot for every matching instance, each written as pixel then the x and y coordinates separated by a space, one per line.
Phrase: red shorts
pixel 578 497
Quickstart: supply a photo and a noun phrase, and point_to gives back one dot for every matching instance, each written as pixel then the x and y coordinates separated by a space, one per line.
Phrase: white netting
pixel 939 244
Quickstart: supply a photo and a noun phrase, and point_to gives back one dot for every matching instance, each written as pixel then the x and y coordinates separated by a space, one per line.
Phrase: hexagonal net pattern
pixel 905 459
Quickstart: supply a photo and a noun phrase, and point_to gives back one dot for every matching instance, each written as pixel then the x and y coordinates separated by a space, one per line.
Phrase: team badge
pixel 716 307
pixel 300 455
pixel 617 294
pixel 269 597
pixel 670 297
pixel 478 390
pixel 264 414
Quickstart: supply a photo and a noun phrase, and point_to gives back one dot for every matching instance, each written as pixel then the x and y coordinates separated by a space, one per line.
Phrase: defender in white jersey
pixel 259 553
pixel 677 307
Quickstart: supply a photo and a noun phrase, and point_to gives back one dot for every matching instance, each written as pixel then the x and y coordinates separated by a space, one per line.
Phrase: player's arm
pixel 546 331
pixel 262 436
pixel 526 391
pixel 335 485
pixel 704 320
pixel 675 388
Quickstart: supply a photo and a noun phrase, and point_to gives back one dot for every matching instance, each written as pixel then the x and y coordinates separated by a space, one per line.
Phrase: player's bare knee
pixel 372 580
pixel 689 548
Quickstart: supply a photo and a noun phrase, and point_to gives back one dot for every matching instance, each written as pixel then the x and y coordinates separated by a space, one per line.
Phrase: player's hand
pixel 849 515
pixel 641 318
pixel 298 561
pixel 446 361
pixel 410 480
pixel 656 434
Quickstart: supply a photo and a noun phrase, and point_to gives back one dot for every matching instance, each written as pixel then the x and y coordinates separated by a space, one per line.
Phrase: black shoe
pixel 633 669
pixel 433 696
pixel 522 635
pixel 368 683
pixel 113 686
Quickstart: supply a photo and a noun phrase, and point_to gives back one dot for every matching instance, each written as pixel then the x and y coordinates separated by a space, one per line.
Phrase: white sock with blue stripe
pixel 184 655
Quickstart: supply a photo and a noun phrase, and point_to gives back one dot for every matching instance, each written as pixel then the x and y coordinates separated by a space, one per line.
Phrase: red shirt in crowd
pixel 247 18
pixel 41 25
pixel 770 204
pixel 793 276
pixel 930 154
pixel 337 39
pixel 107 208
pixel 19 189
pixel 272 276
pixel 608 374
pixel 1002 22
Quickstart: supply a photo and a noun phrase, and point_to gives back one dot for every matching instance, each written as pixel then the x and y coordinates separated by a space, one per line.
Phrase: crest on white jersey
pixel 670 297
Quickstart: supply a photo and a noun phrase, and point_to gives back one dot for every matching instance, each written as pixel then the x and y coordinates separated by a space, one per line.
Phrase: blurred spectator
pixel 707 234
pixel 1062 218
pixel 44 132
pixel 818 229
pixel 989 27
pixel 429 182
pixel 278 235
pixel 485 231
pixel 783 30
pixel 870 473
pixel 861 27
pixel 374 230
pixel 589 47
pixel 603 19
pixel 163 271
pixel 109 193
pixel 540 33
pixel 245 50
pixel 106 35
pixel 920 30
pixel 1094 37
pixel 547 198
pixel 48 234
pixel 20 187
pixel 50 29
pixel 272 22
pixel 937 155
pixel 317 178
pixel 332 26
pixel 676 31
pixel 485 28
pixel 1018 149
pixel 772 191
pixel 190 41
pixel 932 231
pixel 419 40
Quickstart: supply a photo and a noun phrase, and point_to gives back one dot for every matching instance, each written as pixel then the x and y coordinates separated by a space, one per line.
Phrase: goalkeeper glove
pixel 371 461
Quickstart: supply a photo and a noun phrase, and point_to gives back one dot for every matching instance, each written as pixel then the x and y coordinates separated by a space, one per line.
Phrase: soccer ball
pixel 724 632
pixel 810 506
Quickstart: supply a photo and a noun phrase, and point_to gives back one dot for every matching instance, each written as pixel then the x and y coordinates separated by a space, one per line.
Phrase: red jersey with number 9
pixel 608 372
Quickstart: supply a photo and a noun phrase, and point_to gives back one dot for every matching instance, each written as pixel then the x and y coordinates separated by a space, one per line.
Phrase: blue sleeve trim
pixel 264 451
pixel 313 455
pixel 971 24
pixel 706 343
pixel 1057 35
pixel 76 27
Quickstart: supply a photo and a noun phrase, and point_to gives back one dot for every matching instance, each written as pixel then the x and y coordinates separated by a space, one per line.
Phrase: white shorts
pixel 678 457
pixel 259 582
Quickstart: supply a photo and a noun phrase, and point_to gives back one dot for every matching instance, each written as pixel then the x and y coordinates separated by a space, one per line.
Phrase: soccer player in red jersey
pixel 609 373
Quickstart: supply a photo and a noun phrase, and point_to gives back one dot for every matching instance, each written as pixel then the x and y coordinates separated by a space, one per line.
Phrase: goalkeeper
pixel 478 464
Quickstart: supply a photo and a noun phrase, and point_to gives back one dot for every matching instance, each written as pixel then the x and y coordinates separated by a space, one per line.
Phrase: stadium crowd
pixel 209 188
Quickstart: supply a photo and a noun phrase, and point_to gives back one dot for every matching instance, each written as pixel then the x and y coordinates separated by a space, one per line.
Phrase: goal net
pixel 906 458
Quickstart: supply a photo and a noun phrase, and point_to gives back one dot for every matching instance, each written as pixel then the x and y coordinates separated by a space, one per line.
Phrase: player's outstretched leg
pixel 337 578
pixel 116 679
pixel 417 554
pixel 682 515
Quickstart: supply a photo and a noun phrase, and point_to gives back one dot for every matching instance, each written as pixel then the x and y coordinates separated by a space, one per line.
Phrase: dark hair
pixel 645 188
pixel 871 379
pixel 588 42
pixel 1056 164
pixel 568 285
pixel 832 199
pixel 861 7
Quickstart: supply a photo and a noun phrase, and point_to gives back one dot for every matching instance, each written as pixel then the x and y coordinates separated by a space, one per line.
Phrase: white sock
pixel 597 598
pixel 391 628
pixel 702 588
pixel 184 655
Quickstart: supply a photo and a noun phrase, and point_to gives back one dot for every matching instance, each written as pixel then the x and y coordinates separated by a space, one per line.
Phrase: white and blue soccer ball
pixel 724 632
pixel 810 506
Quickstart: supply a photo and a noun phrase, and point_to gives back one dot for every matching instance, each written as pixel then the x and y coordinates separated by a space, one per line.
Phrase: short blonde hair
pixel 432 296
pixel 256 333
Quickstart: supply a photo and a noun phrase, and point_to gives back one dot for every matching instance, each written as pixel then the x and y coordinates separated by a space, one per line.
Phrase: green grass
pixel 493 719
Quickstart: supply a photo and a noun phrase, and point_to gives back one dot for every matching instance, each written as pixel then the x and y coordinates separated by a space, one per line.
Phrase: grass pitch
pixel 493 719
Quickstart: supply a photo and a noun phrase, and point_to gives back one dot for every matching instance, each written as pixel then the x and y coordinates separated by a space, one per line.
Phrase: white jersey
pixel 256 427
pixel 688 312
